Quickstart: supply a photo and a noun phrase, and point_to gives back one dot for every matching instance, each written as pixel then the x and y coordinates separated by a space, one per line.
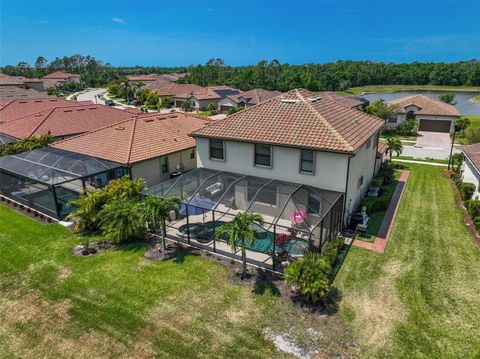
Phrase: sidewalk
pixel 421 162
pixel 380 242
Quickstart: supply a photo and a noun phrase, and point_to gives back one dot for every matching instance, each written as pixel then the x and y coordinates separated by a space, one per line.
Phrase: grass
pixel 431 160
pixel 119 305
pixel 391 88
pixel 421 297
pixel 418 299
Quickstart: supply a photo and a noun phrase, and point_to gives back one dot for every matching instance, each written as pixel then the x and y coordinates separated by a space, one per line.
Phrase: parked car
pixel 135 102
pixel 109 103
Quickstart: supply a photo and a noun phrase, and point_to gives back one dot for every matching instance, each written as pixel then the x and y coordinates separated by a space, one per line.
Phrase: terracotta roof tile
pixel 60 75
pixel 8 93
pixel 137 139
pixel 298 118
pixel 21 107
pixel 63 121
pixel 473 154
pixel 426 105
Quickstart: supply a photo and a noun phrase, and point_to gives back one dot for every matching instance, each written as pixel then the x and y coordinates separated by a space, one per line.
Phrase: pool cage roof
pixel 5 140
pixel 228 193
pixel 54 166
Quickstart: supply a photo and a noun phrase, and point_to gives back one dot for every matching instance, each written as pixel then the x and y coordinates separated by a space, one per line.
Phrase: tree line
pixel 271 75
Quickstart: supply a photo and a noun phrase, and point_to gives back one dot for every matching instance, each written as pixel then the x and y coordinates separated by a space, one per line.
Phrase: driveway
pixel 439 140
pixel 92 96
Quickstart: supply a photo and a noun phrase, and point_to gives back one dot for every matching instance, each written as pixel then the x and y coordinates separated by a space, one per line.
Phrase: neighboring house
pixel 381 156
pixel 61 77
pixel 8 93
pixel 300 137
pixel 245 99
pixel 431 115
pixel 7 81
pixel 199 97
pixel 471 167
pixel 358 103
pixel 23 118
pixel 154 147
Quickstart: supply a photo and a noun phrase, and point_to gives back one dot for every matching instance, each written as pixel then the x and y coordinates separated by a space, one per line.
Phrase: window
pixel 360 181
pixel 164 164
pixel 392 120
pixel 217 149
pixel 369 143
pixel 267 196
pixel 313 205
pixel 263 155
pixel 306 161
pixel 192 154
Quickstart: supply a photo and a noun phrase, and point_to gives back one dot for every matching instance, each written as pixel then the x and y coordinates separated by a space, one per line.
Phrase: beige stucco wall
pixel 150 170
pixel 471 175
pixel 402 116
pixel 330 168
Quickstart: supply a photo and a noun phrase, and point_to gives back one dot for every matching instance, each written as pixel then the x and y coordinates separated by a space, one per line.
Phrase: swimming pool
pixel 263 241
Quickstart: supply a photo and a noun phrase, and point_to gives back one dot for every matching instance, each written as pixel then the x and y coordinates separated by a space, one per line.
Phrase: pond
pixel 463 105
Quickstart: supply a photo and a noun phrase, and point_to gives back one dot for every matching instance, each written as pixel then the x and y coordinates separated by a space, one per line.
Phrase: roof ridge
pixel 41 122
pixel 131 139
pixel 323 120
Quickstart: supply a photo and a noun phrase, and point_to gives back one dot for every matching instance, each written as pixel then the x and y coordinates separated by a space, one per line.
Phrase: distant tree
pixel 212 109
pixel 153 99
pixel 448 98
pixel 41 62
pixel 408 127
pixel 473 135
pixel 186 106
pixel 394 145
pixel 233 110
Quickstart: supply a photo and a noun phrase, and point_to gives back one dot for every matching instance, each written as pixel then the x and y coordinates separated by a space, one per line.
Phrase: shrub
pixel 122 220
pixel 473 207
pixel 311 275
pixel 333 247
pixel 467 190
pixel 408 127
pixel 476 222
pixel 458 182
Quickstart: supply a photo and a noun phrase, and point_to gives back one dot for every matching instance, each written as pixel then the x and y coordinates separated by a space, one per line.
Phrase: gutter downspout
pixel 346 189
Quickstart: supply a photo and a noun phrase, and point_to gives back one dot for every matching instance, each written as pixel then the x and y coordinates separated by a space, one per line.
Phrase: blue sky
pixel 182 33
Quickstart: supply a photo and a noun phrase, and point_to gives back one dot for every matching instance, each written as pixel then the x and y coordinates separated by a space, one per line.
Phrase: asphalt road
pixel 90 96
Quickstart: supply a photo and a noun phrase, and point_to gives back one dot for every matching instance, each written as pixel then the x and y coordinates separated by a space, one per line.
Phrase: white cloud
pixel 119 20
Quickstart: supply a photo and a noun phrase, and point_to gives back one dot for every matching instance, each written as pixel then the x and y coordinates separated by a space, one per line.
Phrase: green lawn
pixel 421 298
pixel 118 304
pixel 433 160
pixel 391 88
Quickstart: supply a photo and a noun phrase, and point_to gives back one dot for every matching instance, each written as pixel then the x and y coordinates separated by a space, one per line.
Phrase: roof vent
pixel 38 101
pixel 81 109
pixel 288 100
pixel 119 128
pixel 173 116
pixel 67 110
pixel 314 99
pixel 148 119
pixel 38 115
pixel 22 102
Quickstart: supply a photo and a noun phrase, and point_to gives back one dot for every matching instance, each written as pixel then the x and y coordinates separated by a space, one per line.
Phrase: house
pixel 300 137
pixel 154 147
pixel 245 99
pixel 60 77
pixel 431 115
pixel 11 82
pixel 471 167
pixel 62 118
pixel 199 97
pixel 358 103
pixel 8 93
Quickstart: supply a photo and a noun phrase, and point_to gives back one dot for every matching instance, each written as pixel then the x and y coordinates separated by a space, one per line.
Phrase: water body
pixel 463 105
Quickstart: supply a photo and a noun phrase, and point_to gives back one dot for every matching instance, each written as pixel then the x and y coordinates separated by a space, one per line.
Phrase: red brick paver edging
pixel 381 239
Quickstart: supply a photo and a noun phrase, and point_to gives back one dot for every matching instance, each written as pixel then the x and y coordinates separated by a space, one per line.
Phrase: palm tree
pixel 394 145
pixel 122 220
pixel 241 230
pixel 156 213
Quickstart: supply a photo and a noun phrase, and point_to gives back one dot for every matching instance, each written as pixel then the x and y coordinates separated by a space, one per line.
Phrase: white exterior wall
pixel 362 164
pixel 471 175
pixel 150 170
pixel 330 168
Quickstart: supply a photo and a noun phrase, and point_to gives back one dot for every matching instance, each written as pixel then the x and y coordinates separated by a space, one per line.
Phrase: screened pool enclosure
pixel 46 179
pixel 297 217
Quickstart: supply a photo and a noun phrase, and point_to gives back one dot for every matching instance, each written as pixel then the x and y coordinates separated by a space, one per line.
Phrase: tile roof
pixel 426 105
pixel 178 90
pixel 298 118
pixel 14 109
pixel 137 139
pixel 8 93
pixel 60 75
pixel 16 80
pixel 253 97
pixel 343 100
pixel 473 154
pixel 63 121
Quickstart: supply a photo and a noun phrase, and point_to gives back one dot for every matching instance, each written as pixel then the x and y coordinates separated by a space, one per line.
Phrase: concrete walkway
pixel 421 162
pixel 380 242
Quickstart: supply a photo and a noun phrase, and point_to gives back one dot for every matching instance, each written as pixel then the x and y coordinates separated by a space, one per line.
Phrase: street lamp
pixel 451 147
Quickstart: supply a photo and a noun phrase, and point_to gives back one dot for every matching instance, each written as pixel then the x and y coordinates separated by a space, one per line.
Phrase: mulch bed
pixel 93 248
pixel 26 211
pixel 260 280
pixel 467 219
